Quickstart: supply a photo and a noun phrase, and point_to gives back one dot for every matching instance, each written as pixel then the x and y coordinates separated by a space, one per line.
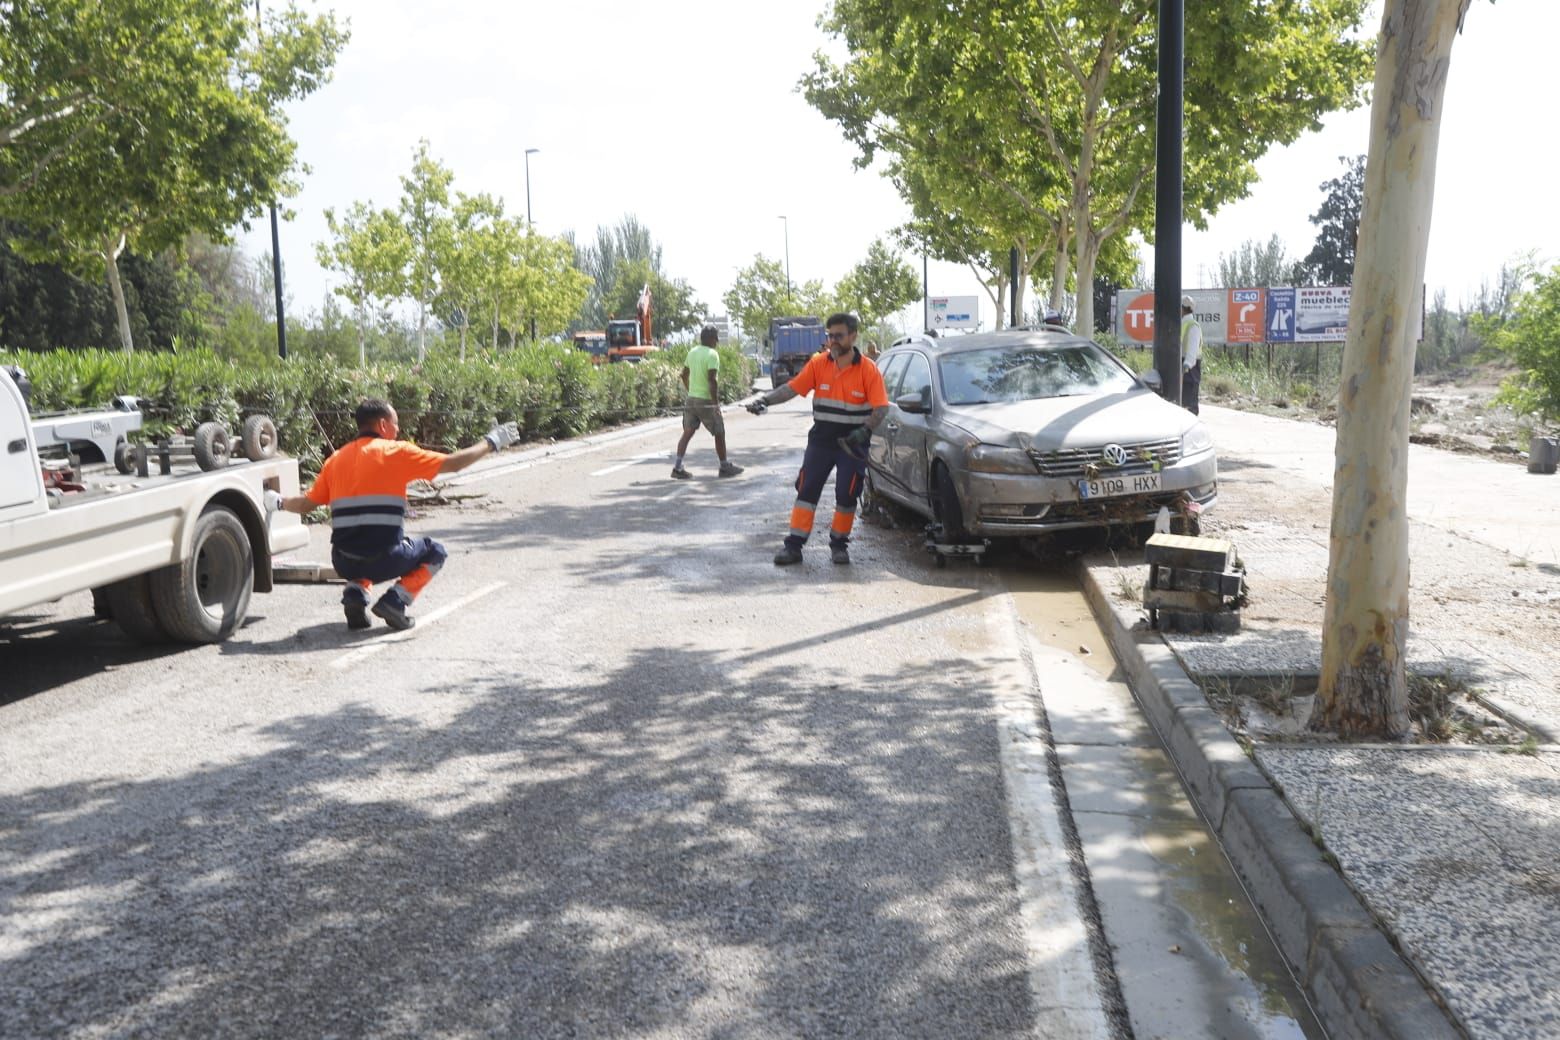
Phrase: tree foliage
pixel 1530 337
pixel 1331 259
pixel 1257 265
pixel 880 284
pixel 425 210
pixel 1050 103
pixel 128 124
pixel 370 249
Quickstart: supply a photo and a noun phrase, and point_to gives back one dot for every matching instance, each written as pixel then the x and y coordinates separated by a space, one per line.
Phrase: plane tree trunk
pixel 1363 690
pixel 112 247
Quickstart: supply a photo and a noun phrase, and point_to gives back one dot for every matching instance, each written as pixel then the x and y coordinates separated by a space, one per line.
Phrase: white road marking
pixel 356 655
pixel 679 489
pixel 636 460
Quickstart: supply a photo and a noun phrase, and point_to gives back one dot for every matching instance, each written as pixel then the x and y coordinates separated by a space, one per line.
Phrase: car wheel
pixel 946 509
pixel 129 600
pixel 124 457
pixel 204 598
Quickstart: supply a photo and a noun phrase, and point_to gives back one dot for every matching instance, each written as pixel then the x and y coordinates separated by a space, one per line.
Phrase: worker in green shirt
pixel 700 376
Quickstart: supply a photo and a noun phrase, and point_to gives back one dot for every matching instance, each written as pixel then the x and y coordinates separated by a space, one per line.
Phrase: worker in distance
pixel 364 486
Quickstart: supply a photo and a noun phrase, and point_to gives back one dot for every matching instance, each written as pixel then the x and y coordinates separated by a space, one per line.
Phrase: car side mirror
pixel 914 403
pixel 1152 381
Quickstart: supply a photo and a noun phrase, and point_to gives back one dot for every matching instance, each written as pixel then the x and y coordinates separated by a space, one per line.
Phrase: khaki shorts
pixel 699 411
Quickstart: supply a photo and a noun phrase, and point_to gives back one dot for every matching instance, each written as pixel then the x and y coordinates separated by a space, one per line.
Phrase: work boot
pixel 392 608
pixel 729 469
pixel 788 555
pixel 680 473
pixel 839 553
pixel 354 603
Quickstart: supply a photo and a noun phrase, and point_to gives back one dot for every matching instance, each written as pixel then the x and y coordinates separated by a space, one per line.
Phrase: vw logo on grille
pixel 1114 456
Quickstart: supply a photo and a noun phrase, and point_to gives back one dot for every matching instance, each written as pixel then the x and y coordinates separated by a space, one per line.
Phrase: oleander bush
pixel 551 391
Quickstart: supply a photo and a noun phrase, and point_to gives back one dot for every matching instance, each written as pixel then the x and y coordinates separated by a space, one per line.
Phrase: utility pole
pixel 528 153
pixel 787 224
pixel 1167 201
pixel 276 246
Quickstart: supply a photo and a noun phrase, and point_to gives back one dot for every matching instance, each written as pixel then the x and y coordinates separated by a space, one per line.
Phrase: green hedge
pixel 551 391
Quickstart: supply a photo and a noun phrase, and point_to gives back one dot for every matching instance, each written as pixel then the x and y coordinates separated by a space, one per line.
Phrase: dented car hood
pixel 1088 421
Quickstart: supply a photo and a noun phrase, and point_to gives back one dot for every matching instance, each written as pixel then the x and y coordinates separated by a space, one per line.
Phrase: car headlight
pixel 1196 440
pixel 988 458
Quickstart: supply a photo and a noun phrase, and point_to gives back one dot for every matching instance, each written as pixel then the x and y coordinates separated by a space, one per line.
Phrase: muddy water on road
pixel 1190 953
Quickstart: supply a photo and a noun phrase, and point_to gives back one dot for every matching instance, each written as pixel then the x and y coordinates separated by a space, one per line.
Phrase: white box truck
pixel 171 557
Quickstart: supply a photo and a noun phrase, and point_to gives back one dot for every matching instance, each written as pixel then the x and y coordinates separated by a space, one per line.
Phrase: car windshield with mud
pixel 1027 432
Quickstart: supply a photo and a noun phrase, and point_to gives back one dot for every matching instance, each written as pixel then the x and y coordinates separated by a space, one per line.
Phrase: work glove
pixel 273 501
pixel 758 406
pixel 502 436
pixel 858 437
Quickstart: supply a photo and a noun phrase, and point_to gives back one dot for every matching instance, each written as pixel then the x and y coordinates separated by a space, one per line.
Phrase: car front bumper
pixel 1012 505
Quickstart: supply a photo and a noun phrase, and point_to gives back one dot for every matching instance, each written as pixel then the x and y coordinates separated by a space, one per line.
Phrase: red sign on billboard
pixel 1137 321
pixel 1245 314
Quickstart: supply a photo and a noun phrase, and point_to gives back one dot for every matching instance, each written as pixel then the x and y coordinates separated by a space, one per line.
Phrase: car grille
pixel 1071 462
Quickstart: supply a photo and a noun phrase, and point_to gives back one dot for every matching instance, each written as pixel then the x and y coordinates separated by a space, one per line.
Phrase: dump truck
pixel 792 342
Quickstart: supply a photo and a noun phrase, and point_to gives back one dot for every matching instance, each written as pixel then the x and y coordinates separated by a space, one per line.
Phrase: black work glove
pixel 858 437
pixel 758 406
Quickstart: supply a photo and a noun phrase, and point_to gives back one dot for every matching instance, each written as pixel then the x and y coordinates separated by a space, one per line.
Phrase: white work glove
pixel 273 501
pixel 758 406
pixel 502 436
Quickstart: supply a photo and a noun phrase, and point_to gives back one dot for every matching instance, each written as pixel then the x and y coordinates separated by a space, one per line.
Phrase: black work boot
pixel 356 608
pixel 393 609
pixel 839 552
pixel 788 555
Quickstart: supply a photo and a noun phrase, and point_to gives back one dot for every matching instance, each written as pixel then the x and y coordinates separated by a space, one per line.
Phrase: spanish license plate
pixel 1106 487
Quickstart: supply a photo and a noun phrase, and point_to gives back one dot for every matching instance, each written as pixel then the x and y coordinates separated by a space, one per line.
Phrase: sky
pixel 686 115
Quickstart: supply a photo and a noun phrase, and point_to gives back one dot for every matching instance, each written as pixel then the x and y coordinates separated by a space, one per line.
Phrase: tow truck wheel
pixel 204 599
pixel 212 447
pixel 124 459
pixel 130 602
pixel 258 438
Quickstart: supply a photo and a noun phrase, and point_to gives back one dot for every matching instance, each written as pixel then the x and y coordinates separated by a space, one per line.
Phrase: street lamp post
pixel 276 248
pixel 787 224
pixel 528 153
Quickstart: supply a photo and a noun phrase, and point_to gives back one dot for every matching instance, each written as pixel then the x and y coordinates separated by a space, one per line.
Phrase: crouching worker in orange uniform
pixel 364 484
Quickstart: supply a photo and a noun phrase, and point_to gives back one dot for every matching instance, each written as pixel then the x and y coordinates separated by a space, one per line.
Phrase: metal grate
pixel 1070 462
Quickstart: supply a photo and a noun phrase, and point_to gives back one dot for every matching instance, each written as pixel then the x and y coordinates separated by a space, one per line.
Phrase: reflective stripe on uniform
pixel 831 411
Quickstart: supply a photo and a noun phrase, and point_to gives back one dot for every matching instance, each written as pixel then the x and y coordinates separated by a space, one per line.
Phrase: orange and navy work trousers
pixel 411 564
pixel 825 456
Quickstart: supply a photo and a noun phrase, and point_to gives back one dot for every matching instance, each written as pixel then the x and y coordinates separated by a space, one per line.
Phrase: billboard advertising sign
pixel 1135 314
pixel 955 312
pixel 1247 311
pixel 1321 314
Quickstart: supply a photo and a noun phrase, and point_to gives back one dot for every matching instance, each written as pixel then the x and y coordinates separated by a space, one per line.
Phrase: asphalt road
pixel 626 778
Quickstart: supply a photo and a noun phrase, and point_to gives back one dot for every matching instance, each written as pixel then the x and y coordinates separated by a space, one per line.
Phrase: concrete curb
pixel 1359 985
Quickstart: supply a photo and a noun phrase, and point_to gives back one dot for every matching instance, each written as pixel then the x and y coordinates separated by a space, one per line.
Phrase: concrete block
pixel 1192 553
pixel 1543 454
pixel 1180 579
pixel 1169 599
pixel 1210 760
pixel 1298 892
pixel 1363 989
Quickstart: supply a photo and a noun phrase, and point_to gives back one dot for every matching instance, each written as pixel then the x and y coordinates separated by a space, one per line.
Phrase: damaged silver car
pixel 1025 432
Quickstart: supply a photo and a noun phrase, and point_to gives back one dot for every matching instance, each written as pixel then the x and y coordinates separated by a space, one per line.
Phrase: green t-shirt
pixel 701 362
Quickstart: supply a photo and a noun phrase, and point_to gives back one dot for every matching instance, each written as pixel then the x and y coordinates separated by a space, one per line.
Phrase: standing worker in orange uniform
pixel 849 402
pixel 364 484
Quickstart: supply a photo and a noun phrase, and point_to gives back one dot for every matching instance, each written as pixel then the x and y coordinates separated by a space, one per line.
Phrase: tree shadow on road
pixel 662 847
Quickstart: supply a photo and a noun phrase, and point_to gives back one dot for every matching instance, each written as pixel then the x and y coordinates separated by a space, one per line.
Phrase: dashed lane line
pixel 357 654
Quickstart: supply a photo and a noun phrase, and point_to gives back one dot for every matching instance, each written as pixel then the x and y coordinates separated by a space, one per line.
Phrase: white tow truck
pixel 174 556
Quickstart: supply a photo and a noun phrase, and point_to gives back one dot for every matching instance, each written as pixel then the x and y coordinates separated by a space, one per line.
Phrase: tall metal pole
pixel 528 153
pixel 276 248
pixel 787 224
pixel 1167 200
pixel 1013 286
pixel 926 297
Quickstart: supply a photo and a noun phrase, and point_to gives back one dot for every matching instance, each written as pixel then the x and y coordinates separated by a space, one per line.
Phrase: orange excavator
pixel 628 339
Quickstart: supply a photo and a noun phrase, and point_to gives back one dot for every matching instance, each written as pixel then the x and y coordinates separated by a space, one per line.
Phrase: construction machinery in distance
pixel 594 343
pixel 628 339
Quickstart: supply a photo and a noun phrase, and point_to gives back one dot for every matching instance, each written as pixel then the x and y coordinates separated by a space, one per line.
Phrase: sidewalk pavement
pixel 1454 851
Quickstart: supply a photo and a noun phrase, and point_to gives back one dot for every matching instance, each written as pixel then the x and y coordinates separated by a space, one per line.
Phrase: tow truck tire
pixel 212 447
pixel 257 437
pixel 204 599
pixel 130 602
pixel 124 458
